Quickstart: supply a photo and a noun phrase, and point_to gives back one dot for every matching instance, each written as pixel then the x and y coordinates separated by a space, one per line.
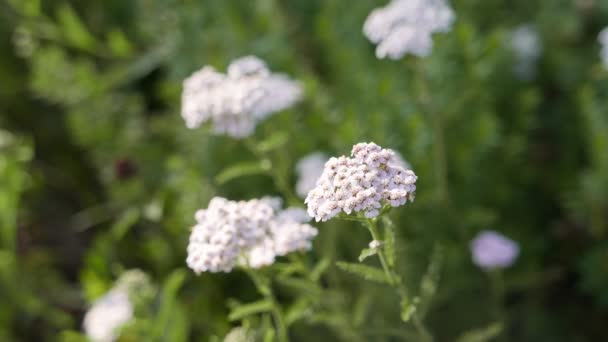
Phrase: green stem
pixel 373 229
pixel 277 314
pixel 496 282
pixel 423 332
pixel 396 283
pixel 280 181
pixel 436 119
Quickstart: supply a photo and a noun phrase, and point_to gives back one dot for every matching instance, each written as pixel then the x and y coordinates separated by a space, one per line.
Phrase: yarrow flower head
pixel 491 250
pixel 526 44
pixel 248 233
pixel 603 39
pixel 310 168
pixel 234 103
pixel 406 26
pixel 364 182
pixel 112 311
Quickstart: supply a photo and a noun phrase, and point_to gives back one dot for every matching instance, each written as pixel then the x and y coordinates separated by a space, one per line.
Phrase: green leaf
pixel 13 181
pixel 367 252
pixel 73 28
pixel 430 280
pixel 360 310
pixel 289 269
pixel 124 222
pixel 118 43
pixel 297 310
pixel 408 309
pixel 366 272
pixel 245 310
pixel 482 334
pixel 319 269
pixel 302 286
pixel 242 169
pixel 168 306
pixel 273 142
pixel 269 336
pixel 389 241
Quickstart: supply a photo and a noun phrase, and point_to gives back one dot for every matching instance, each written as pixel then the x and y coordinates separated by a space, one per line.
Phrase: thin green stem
pixel 373 229
pixel 280 181
pixel 277 313
pixel 436 120
pixel 425 335
pixel 496 282
pixel 394 280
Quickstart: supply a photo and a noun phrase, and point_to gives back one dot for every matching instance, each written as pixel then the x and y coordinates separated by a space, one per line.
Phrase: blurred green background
pixel 98 173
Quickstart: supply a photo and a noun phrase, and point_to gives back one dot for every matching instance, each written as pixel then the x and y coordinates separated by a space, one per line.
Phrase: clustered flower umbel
pixel 310 168
pixel 406 26
pixel 109 313
pixel 491 250
pixel 603 39
pixel 248 233
pixel 235 102
pixel 370 178
pixel 526 44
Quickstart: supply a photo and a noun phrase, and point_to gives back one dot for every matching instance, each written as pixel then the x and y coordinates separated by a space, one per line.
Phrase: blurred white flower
pixel 491 250
pixel 603 39
pixel 293 214
pixel 364 182
pixel 249 233
pixel 309 169
pixel 406 26
pixel 527 46
pixel 107 315
pixel 289 233
pixel 240 334
pixel 236 102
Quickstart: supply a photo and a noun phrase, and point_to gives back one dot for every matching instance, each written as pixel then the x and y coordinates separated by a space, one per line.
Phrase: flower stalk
pixel 262 284
pixel 390 273
pixel 394 280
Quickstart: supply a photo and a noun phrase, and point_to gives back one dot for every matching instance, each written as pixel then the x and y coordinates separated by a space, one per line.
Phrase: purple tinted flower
pixel 491 250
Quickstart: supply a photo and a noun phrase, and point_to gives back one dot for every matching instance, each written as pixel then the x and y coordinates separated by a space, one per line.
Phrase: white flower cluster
pixel 250 233
pixel 235 102
pixel 109 313
pixel 364 182
pixel 309 169
pixel 406 26
pixel 526 44
pixel 106 316
pixel 603 39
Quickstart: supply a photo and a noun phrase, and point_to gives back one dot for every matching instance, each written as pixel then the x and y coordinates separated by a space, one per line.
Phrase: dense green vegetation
pixel 98 173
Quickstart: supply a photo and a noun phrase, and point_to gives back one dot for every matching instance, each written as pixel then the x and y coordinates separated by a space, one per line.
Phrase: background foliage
pixel 98 173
